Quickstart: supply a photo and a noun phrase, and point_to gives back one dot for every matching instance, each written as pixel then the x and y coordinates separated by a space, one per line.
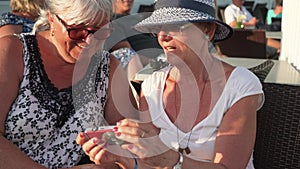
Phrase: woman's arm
pixel 120 101
pixel 235 139
pixel 233 147
pixel 143 141
pixel 11 72
pixel 237 132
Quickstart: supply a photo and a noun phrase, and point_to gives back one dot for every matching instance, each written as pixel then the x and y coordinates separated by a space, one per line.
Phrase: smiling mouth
pixel 83 46
pixel 169 48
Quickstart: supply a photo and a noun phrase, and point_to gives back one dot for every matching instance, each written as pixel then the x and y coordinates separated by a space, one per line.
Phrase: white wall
pixel 290 43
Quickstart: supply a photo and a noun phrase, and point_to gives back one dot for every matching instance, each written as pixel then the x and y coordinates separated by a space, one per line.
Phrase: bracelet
pixel 136 166
pixel 136 163
pixel 179 163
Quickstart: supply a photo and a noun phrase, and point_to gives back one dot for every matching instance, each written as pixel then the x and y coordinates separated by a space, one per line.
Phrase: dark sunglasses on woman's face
pixel 82 33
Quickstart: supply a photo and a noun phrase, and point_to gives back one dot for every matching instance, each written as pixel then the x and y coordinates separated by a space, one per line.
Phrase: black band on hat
pixel 188 4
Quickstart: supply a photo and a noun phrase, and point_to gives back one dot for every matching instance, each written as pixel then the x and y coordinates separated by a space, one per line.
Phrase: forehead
pixel 91 21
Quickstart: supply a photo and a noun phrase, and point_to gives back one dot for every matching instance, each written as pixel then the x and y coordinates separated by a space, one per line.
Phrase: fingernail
pixel 115 129
pixel 95 140
pixel 118 134
pixel 98 141
pixel 81 135
pixel 130 146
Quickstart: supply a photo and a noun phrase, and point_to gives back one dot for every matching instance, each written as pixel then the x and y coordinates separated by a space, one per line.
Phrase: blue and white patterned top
pixel 8 18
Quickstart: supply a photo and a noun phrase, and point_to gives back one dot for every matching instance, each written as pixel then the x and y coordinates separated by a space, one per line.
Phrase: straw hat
pixel 181 11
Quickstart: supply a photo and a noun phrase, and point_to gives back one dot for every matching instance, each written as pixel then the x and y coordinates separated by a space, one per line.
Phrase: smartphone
pixel 105 133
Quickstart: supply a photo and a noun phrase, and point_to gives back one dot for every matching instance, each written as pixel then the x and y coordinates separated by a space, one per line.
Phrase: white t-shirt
pixel 232 12
pixel 240 84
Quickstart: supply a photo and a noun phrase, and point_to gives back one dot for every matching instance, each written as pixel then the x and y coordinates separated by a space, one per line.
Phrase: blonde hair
pixel 87 12
pixel 26 6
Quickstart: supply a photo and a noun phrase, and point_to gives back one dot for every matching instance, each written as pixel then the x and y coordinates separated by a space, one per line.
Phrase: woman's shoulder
pixel 241 77
pixel 10 43
pixel 243 73
pixel 11 52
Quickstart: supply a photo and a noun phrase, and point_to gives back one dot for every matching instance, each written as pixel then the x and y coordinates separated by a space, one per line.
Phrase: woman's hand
pixel 95 149
pixel 101 153
pixel 144 142
pixel 93 166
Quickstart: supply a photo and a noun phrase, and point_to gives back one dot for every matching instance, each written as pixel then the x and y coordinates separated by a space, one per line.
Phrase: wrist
pixel 179 161
pixel 127 163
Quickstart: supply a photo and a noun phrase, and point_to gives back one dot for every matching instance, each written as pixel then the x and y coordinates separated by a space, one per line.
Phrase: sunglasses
pixel 82 33
pixel 170 29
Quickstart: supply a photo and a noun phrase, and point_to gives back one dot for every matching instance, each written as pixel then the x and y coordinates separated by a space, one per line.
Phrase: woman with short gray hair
pixel 54 85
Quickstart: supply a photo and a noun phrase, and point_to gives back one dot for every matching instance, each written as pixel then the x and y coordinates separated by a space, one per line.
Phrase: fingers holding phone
pixel 104 133
pixel 96 143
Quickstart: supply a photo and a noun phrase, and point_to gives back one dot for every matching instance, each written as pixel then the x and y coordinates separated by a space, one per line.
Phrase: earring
pixel 207 37
pixel 52 32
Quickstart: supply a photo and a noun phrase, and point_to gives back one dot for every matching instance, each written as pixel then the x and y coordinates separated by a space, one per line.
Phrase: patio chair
pixel 277 143
pixel 262 70
pixel 146 8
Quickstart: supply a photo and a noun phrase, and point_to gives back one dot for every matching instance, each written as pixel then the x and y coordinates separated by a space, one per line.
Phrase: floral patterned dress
pixel 44 121
pixel 8 18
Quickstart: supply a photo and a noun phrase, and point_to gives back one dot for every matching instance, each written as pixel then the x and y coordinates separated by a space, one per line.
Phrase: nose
pixel 164 36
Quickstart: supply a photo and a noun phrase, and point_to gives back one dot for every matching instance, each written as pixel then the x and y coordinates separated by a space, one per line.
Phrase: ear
pixel 50 17
pixel 211 30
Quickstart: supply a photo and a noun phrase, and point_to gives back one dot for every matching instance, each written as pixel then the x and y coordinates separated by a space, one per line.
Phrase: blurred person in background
pixel 128 45
pixel 237 11
pixel 276 12
pixel 21 18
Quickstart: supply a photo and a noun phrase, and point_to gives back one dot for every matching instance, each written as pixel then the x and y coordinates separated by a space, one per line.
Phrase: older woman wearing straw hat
pixel 197 113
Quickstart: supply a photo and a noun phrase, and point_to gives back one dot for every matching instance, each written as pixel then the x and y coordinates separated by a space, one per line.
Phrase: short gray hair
pixel 88 12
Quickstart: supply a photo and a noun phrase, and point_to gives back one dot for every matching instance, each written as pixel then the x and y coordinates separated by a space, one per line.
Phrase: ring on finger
pixel 143 134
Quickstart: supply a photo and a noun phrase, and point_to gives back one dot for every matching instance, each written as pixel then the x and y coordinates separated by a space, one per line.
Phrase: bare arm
pixel 10 30
pixel 251 22
pixel 11 71
pixel 120 102
pixel 232 24
pixel 11 74
pixel 235 139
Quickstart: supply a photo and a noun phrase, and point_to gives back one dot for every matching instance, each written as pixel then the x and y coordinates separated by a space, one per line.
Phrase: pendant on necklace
pixel 187 150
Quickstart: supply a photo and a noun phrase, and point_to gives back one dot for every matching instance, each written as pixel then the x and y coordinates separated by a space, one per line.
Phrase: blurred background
pixel 4 6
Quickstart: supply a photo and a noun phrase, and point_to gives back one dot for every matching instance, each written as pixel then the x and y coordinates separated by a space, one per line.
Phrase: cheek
pixel 70 49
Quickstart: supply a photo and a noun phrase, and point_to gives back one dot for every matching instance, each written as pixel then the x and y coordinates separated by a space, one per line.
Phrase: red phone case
pixel 97 133
pixel 105 133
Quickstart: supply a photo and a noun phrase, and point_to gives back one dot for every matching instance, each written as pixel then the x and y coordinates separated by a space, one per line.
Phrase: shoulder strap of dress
pixel 29 43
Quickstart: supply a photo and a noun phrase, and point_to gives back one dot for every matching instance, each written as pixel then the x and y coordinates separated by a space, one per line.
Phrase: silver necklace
pixel 187 150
